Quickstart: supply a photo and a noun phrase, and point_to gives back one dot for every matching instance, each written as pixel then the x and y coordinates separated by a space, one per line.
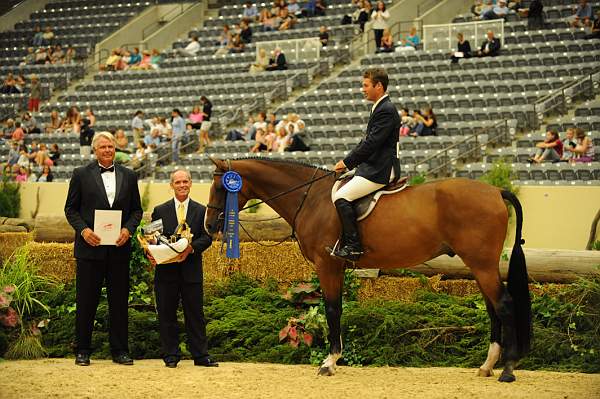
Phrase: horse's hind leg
pixel 331 278
pixel 487 368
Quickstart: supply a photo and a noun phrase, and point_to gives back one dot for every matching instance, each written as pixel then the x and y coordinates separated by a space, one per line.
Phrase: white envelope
pixel 107 225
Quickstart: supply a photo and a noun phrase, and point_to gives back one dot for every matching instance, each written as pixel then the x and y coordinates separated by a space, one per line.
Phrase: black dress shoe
pixel 205 362
pixel 171 365
pixel 124 359
pixel 171 361
pixel 82 359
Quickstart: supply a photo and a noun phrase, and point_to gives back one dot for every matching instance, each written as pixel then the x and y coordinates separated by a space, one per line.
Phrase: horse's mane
pixel 284 161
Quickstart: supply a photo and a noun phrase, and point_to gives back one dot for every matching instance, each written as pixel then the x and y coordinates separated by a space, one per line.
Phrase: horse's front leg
pixel 331 278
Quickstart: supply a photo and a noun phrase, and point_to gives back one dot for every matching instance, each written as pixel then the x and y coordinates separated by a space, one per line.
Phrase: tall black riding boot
pixel 350 247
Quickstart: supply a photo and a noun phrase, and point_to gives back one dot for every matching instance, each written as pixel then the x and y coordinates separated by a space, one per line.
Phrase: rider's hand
pixel 340 166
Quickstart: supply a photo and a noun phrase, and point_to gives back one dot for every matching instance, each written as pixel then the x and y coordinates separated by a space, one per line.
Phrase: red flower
pixel 5 300
pixel 9 289
pixel 10 318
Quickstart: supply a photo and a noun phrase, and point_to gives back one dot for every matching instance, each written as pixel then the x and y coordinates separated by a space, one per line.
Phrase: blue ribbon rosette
pixel 232 182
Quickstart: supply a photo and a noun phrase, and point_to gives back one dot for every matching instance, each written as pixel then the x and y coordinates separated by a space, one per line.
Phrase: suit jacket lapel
pixel 191 213
pixel 95 169
pixel 375 110
pixel 119 182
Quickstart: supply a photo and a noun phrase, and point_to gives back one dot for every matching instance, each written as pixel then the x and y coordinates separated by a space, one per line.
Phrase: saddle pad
pixel 365 205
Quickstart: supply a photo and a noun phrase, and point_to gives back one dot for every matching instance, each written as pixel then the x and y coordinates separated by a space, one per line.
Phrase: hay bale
pixel 11 241
pixel 53 260
pixel 405 288
pixel 7 228
pixel 27 223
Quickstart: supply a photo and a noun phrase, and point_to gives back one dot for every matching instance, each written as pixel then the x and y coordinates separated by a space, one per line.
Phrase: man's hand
pixel 151 259
pixel 123 237
pixel 90 237
pixel 183 256
pixel 340 166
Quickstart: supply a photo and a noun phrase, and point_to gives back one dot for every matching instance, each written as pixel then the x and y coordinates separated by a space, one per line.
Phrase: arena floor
pixel 60 378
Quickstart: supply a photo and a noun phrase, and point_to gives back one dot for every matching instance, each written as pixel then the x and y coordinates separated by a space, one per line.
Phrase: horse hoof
pixel 507 377
pixel 485 373
pixel 326 371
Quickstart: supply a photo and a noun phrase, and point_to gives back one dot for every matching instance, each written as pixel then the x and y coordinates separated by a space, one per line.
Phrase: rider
pixel 374 158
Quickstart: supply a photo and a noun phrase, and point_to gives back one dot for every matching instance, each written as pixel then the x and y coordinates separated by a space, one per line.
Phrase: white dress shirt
pixel 110 184
pixel 377 103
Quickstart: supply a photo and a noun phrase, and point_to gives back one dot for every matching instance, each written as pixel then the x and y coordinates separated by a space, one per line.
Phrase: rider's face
pixel 370 91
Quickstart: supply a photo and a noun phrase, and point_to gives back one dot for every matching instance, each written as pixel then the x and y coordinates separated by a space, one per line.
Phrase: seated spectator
pixel 72 121
pixel 156 59
pixel 278 61
pixel 270 22
pixel 320 8
pixel 477 8
pixel 309 9
pixel 296 140
pixel 534 14
pixel 387 42
pixel 595 34
pixel 236 45
pixel 70 55
pixel 245 32
pixel 124 61
pixel 137 125
pixel 91 117
pixel 250 11
pixel 13 153
pixel 165 128
pixel 122 142
pixel 584 150
pixel 412 40
pixel 29 123
pixel 23 156
pixel 426 123
pixel 140 154
pixel 500 10
pixel 48 37
pixel 270 137
pixel 407 123
pixel 20 83
pixel 582 14
pixel 195 117
pixel 323 36
pixel 29 58
pixel 191 49
pixel 569 143
pixel 135 58
pixel 22 175
pixel 54 154
pixel 38 37
pixel 46 175
pixel 260 142
pixel 224 36
pixel 8 129
pixel 58 55
pixel 463 49
pixel 9 86
pixel 54 122
pixel 282 140
pixel 550 149
pixel 153 138
pixel 18 135
pixel 86 134
pixel 490 47
pixel 272 118
pixel 262 61
pixel 113 61
pixel 41 56
pixel 32 151
pixel 294 9
pixel 287 20
pixel 41 156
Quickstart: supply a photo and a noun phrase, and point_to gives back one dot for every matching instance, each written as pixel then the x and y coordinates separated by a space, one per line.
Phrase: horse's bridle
pixel 292 235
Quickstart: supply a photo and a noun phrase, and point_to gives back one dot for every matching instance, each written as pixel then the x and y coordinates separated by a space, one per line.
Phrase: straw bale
pixel 404 288
pixel 54 260
pixel 11 241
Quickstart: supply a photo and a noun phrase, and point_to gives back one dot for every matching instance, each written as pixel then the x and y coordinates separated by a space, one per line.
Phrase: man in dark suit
pixel 374 158
pixel 102 185
pixel 182 280
pixel 278 62
pixel 490 47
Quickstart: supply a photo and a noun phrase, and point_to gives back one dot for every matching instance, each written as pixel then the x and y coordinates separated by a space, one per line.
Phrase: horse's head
pixel 215 212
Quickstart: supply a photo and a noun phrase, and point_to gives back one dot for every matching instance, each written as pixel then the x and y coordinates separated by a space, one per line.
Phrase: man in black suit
pixel 374 158
pixel 102 185
pixel 490 47
pixel 278 62
pixel 182 280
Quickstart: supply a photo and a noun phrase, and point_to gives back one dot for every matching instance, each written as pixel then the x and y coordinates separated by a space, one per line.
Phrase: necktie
pixel 103 169
pixel 180 213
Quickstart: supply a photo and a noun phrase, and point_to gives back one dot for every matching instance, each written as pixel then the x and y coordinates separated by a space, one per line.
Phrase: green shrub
pixel 10 198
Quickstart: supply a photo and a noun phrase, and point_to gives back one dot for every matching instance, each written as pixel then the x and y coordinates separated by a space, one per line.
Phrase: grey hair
pixel 187 172
pixel 104 135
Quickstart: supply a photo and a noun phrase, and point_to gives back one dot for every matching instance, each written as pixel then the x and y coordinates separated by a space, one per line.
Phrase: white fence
pixel 443 37
pixel 294 49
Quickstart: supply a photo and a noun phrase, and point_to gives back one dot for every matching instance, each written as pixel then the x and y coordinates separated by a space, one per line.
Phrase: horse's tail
pixel 517 284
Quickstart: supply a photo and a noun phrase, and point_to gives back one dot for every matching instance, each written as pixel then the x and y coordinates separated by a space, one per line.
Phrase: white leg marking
pixel 487 368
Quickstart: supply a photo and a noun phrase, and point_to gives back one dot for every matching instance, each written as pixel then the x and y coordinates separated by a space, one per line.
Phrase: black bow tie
pixel 103 169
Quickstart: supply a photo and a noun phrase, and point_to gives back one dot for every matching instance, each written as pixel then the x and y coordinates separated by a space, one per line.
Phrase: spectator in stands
pixel 145 63
pixel 9 128
pixel 22 175
pixel 91 117
pixel 387 42
pixel 266 20
pixel 260 123
pixel 135 58
pixel 250 11
pixel 195 117
pixel 320 8
pixel 595 34
pixel 534 14
pixel 29 58
pixel 272 118
pixel 35 94
pixel 245 32
pixel 379 17
pixel 30 123
pixel 463 49
pixel 18 134
pixel 48 37
pixel 500 10
pixel 54 122
pixel 23 156
pixel 323 36
pixel 236 45
pixel 122 142
pixel 13 153
pixel 140 154
pixel 112 62
pixel 156 59
pixel 282 140
pixel 296 141
pixel 41 156
pixel 206 122
pixel 224 36
pixel 287 20
pixel 278 61
pixel 262 61
pixel 20 83
pixel 41 56
pixel 426 123
pixel 86 134
pixel 407 123
pixel 38 37
pixel 309 9
pixel 294 9
pixel 191 49
pixel 137 125
pixel 72 121
pixel 153 137
pixel 569 143
pixel 477 8
pixel 9 85
pixel 70 55
pixel 582 14
pixel 584 150
pixel 58 55
pixel 178 132
pixel 54 154
pixel 550 149
pixel 490 47
pixel 46 175
pixel 165 128
pixel 412 40
pixel 260 142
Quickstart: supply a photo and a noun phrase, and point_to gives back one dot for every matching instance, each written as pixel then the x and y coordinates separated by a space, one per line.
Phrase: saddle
pixel 365 205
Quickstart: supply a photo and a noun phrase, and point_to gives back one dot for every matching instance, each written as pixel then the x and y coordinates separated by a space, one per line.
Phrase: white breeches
pixel 357 188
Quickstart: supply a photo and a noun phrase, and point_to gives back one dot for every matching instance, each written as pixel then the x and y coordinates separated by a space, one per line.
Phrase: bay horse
pixel 460 217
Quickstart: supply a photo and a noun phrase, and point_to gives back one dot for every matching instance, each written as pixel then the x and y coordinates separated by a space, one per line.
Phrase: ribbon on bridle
pixel 232 182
